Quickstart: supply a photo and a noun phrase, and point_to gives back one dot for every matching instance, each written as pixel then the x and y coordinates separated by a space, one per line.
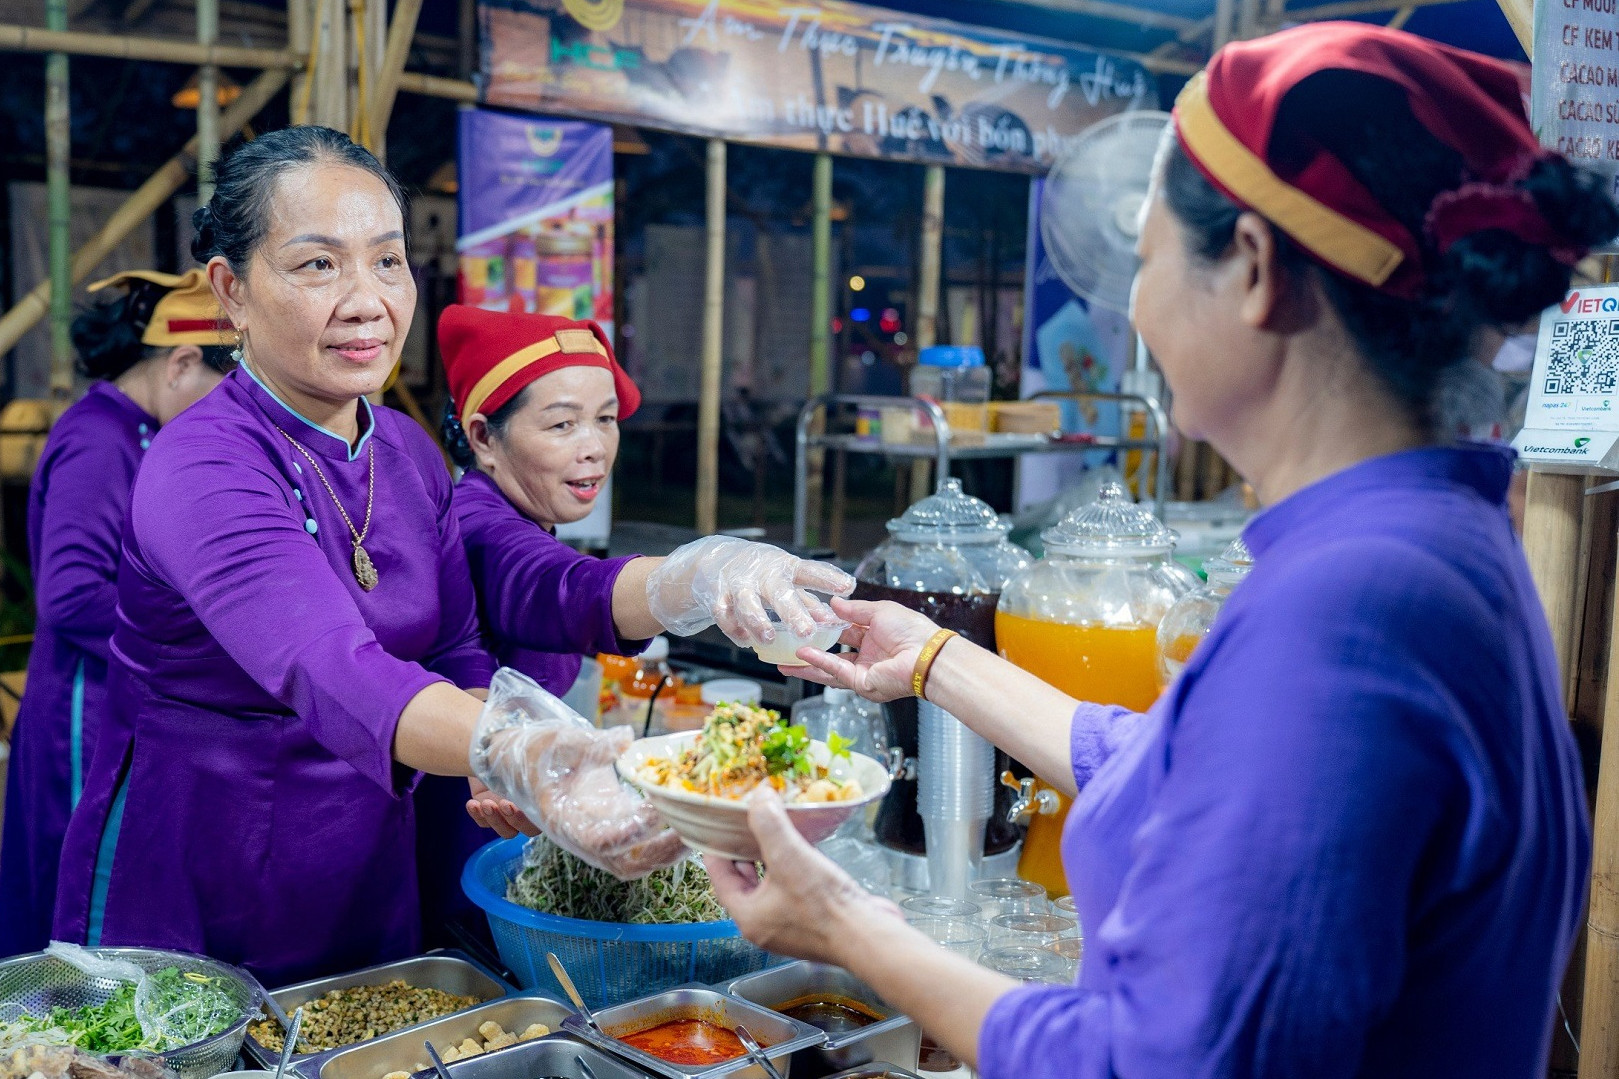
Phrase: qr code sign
pixel 1584 357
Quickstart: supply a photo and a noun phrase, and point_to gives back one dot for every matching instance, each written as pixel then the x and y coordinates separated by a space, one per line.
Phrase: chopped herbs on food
pixel 741 746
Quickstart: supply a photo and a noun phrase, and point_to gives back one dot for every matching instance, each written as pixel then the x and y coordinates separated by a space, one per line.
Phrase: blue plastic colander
pixel 610 962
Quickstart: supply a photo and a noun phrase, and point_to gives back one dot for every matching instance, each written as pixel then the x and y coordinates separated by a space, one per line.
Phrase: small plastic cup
pixel 1064 904
pixel 1028 964
pixel 1007 895
pixel 939 906
pixel 1035 930
pixel 959 936
pixel 783 651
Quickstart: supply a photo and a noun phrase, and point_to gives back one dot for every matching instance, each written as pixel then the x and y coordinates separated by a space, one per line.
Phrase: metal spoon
pixel 756 1051
pixel 290 1044
pixel 573 993
pixel 438 1062
pixel 278 1012
pixel 584 1067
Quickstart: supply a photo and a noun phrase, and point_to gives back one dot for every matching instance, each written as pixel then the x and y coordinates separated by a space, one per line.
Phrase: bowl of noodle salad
pixel 699 781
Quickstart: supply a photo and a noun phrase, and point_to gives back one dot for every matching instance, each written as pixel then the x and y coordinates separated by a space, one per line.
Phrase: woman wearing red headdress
pixel 1351 839
pixel 536 404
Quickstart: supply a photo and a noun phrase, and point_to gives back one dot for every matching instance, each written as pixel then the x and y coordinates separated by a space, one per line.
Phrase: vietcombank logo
pixel 1576 450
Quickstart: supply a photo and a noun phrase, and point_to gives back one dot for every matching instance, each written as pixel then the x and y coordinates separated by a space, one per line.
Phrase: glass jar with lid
pixel 1085 617
pixel 1190 619
pixel 948 557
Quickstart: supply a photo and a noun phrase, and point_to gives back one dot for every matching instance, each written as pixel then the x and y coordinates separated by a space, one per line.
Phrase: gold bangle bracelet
pixel 925 658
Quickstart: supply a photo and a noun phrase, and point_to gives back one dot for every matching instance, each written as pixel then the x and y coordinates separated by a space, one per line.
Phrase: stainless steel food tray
pixel 896 1040
pixel 447 969
pixel 779 1035
pixel 402 1050
pixel 556 1055
pixel 877 1070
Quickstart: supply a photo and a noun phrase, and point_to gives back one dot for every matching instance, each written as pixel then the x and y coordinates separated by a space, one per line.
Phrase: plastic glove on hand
pixel 730 582
pixel 535 751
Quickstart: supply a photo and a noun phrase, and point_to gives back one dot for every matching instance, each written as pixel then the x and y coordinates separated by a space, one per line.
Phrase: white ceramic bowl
pixel 719 826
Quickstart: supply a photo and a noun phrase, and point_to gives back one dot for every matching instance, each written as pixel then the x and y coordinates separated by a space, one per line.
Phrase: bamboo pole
pixel 1551 542
pixel 162 184
pixel 59 198
pixel 164 50
pixel 1224 22
pixel 412 82
pixel 1599 1020
pixel 207 101
pixel 1521 17
pixel 299 33
pixel 820 330
pixel 329 82
pixel 400 35
pixel 713 356
pixel 927 286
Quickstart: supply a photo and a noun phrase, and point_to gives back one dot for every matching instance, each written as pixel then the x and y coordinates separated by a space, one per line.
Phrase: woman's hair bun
pixel 455 439
pixel 204 243
pixel 107 338
pixel 1505 280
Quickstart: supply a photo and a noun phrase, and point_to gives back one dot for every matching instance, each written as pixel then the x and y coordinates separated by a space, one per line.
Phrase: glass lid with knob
pixel 1113 526
pixel 948 542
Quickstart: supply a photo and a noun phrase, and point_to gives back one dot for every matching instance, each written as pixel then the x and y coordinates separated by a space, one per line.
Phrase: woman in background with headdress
pixel 153 351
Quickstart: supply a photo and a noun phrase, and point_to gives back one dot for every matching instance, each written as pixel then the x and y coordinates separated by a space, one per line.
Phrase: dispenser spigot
pixel 1032 800
pixel 899 765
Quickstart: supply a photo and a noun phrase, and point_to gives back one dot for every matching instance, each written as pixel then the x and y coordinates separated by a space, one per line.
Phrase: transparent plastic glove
pixel 537 752
pixel 730 582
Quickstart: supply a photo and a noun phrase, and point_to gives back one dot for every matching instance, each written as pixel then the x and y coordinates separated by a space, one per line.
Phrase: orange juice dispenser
pixel 948 557
pixel 1085 619
pixel 1190 619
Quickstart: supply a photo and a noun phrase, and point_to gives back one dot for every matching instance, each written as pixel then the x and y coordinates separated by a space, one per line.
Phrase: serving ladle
pixel 573 993
pixel 756 1051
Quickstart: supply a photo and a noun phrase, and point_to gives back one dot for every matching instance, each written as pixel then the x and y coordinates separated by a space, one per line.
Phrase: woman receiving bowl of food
pixel 1351 839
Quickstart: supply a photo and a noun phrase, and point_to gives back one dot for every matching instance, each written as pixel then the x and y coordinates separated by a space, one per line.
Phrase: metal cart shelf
pixel 943 451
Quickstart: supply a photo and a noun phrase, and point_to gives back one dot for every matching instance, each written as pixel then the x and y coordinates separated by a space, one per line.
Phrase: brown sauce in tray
pixel 833 1014
pixel 687 1041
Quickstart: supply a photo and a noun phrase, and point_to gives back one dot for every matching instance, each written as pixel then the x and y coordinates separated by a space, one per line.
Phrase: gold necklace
pixel 365 572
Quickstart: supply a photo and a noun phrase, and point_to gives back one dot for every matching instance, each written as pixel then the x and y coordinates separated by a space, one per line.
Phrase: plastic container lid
pixel 1111 527
pixel 951 356
pixel 951 516
pixel 657 650
pixel 837 695
pixel 732 690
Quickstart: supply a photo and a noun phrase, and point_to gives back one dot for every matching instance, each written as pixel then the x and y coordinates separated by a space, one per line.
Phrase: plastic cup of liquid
pixel 939 906
pixel 1035 930
pixel 1007 895
pixel 783 650
pixel 959 936
pixel 1029 964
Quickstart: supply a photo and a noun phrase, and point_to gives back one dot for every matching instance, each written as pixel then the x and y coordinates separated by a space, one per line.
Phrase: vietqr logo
pixel 1575 304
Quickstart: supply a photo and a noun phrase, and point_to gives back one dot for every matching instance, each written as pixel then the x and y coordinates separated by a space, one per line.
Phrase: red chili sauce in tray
pixel 687 1041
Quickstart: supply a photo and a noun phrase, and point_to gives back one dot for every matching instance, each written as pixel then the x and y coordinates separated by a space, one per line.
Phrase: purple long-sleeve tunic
pixel 543 605
pixel 243 800
pixel 76 506
pixel 1351 840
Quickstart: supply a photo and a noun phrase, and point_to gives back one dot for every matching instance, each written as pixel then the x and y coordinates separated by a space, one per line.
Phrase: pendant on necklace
pixel 364 571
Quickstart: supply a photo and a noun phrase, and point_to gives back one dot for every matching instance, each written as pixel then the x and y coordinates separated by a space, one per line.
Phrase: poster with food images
pixel 536 215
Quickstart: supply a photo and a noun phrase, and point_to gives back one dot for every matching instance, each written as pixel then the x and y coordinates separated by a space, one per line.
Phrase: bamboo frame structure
pixel 163 50
pixel 137 208
pixel 929 261
pixel 820 323
pixel 713 355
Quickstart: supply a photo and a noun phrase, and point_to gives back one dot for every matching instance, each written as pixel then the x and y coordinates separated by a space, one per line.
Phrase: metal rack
pixel 942 452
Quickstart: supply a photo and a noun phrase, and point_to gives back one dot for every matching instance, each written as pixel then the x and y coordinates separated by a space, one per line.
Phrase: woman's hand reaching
pixel 887 639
